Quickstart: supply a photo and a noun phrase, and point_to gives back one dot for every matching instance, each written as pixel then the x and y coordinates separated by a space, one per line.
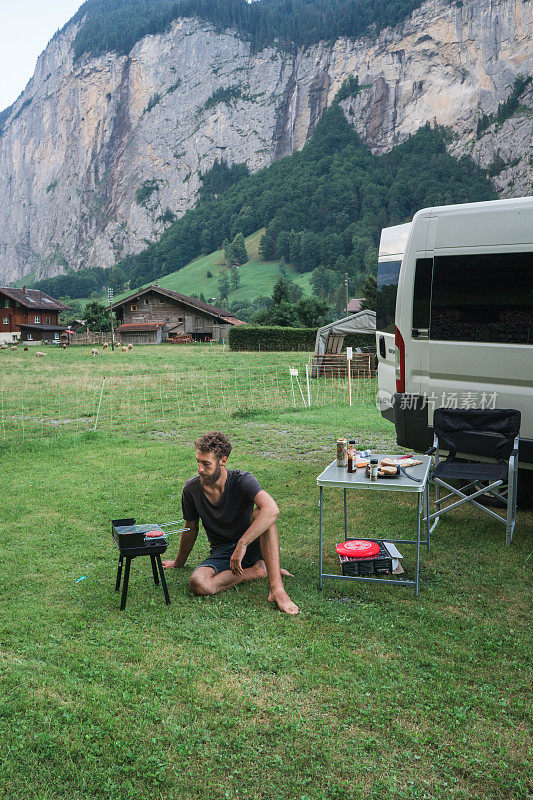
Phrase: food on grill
pixel 153 534
pixel 362 464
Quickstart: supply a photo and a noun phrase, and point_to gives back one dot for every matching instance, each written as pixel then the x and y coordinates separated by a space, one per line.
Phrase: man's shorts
pixel 220 556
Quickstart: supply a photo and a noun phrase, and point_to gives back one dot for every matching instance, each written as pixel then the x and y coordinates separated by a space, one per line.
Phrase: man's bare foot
pixel 258 570
pixel 283 602
pixel 286 573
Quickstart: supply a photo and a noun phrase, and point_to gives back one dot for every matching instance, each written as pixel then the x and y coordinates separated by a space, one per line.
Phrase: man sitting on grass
pixel 244 541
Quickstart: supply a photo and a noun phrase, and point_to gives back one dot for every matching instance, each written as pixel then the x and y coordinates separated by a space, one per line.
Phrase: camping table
pixel 339 478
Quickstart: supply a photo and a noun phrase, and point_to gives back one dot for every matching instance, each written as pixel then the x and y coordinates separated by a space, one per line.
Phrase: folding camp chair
pixel 492 434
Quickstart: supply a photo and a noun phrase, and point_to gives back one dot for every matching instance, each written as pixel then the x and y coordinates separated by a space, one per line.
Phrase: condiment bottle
pixel 352 456
pixel 342 453
pixel 373 469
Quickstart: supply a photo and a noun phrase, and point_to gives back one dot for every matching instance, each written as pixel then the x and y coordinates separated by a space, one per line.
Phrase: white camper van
pixel 461 334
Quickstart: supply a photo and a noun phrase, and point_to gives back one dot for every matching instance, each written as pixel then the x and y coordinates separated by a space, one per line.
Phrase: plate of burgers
pixel 385 471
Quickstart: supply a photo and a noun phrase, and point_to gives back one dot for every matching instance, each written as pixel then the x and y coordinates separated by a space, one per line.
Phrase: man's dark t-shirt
pixel 227 521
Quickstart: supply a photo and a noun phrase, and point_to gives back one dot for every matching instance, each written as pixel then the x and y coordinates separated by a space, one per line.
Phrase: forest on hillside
pixel 323 208
pixel 116 25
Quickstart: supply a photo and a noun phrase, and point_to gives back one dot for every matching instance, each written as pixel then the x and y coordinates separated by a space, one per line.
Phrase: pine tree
pixel 267 248
pixel 370 293
pixel 235 278
pixel 240 256
pixel 223 284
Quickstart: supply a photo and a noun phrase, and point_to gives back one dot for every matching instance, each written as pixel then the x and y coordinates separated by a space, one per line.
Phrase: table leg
pixel 345 518
pixel 428 527
pixel 418 544
pixel 125 584
pixel 320 540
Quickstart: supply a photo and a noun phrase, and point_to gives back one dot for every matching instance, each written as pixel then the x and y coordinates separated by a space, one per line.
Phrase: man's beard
pixel 210 480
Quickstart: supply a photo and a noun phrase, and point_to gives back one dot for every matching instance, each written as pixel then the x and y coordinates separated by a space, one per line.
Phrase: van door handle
pixel 420 333
pixel 382 350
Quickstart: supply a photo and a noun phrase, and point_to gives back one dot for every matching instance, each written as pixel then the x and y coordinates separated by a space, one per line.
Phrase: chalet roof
pixel 36 327
pixel 33 298
pixel 140 326
pixel 233 320
pixel 355 305
pixel 182 298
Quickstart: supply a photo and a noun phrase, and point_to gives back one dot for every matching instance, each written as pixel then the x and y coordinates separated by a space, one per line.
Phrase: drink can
pixel 342 453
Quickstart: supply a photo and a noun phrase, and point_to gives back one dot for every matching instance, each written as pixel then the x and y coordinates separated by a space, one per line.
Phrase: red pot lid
pixel 358 548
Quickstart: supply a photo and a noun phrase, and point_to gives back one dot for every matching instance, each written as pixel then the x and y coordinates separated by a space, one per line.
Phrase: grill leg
pixel 154 570
pixel 125 584
pixel 163 581
pixel 119 573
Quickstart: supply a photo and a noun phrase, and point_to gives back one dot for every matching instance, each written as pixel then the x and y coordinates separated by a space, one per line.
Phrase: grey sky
pixel 26 27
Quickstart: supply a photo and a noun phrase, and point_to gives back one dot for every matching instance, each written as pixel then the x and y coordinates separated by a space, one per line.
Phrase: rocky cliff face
pixel 97 156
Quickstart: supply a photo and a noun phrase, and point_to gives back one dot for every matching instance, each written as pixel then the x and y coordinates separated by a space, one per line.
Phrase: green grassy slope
pixel 257 277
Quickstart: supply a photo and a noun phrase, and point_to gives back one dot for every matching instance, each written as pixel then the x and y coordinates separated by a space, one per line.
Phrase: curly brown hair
pixel 214 442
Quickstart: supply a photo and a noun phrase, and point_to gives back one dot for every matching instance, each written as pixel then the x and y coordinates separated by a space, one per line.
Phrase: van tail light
pixel 400 361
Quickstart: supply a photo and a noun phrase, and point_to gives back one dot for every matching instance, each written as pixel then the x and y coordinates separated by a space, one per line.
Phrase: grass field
pixel 154 389
pixel 368 693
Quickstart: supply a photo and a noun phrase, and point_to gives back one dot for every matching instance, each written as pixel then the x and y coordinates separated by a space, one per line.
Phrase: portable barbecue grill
pixel 133 541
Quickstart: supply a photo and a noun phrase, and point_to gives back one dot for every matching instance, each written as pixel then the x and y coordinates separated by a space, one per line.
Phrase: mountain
pixel 102 152
pixel 322 209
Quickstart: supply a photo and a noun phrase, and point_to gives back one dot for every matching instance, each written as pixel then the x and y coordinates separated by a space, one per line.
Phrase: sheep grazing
pixel 13 347
pixel 64 347
pixel 130 347
pixel 3 346
pixel 124 349
pixel 94 352
pixel 26 349
pixel 39 354
pixel 105 346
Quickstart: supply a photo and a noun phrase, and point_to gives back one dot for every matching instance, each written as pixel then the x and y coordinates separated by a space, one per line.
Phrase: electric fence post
pixel 110 296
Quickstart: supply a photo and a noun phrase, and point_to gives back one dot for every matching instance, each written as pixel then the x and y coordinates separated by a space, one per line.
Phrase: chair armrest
pixel 430 451
pixel 514 453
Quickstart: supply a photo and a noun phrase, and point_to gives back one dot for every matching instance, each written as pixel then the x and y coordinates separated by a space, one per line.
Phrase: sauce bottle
pixel 352 456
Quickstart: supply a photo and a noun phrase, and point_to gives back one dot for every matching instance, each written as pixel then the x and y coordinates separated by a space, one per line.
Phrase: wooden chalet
pixel 153 315
pixel 29 315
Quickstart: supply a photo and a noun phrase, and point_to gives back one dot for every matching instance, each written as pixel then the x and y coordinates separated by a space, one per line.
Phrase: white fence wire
pixel 145 403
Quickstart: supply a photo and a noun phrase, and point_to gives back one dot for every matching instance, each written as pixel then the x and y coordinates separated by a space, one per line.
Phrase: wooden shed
pixel 154 314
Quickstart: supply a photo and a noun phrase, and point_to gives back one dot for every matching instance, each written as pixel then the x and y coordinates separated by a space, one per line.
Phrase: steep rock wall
pixel 85 137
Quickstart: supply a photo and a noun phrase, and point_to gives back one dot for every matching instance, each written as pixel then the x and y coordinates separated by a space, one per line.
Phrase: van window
pixel 388 276
pixel 422 294
pixel 483 298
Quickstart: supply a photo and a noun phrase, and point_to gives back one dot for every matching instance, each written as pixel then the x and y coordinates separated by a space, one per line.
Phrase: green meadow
pixel 368 693
pixel 257 277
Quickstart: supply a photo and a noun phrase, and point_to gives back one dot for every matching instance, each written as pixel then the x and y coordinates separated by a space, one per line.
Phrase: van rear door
pixel 387 287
